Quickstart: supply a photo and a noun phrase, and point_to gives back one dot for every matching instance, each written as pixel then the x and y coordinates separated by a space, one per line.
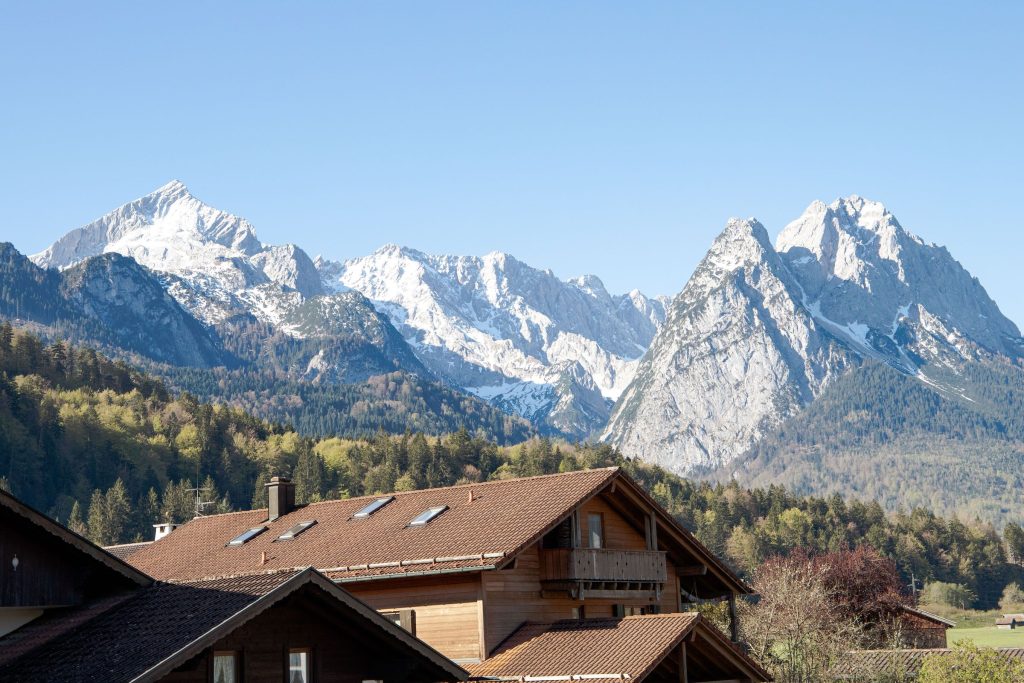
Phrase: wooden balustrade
pixel 603 565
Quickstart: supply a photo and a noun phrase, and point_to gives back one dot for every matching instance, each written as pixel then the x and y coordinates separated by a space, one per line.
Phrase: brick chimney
pixel 280 497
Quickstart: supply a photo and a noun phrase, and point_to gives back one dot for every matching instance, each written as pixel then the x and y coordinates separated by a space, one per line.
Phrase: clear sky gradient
pixel 608 138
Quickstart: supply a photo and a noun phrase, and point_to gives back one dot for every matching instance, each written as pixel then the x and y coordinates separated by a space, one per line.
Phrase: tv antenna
pixel 199 491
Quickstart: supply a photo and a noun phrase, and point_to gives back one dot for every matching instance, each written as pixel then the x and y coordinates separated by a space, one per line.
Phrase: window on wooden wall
pixel 405 618
pixel 579 612
pixel 633 610
pixel 595 530
pixel 225 667
pixel 299 665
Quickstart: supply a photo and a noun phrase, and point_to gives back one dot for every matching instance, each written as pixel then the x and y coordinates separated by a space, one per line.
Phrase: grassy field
pixel 987 636
pixel 978 626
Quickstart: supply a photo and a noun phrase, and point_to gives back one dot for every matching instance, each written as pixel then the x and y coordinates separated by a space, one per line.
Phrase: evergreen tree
pixel 99 531
pixel 118 513
pixel 75 522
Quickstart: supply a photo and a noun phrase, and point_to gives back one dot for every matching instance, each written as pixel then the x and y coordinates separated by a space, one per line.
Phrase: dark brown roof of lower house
pixel 868 664
pixel 156 629
pixel 484 527
pixel 631 647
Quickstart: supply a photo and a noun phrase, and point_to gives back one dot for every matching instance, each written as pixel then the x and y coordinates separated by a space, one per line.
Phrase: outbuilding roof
pixel 626 648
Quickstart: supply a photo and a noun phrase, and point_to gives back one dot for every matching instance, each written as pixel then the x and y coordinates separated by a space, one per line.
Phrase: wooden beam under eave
pixel 734 624
pixel 684 676
pixel 652 524
pixel 692 570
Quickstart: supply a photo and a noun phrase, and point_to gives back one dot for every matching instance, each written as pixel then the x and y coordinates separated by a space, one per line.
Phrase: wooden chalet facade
pixel 468 568
pixel 76 613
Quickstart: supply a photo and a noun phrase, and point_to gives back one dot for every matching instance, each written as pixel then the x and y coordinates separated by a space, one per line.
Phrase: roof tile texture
pixel 502 517
pixel 864 664
pixel 632 646
pixel 130 635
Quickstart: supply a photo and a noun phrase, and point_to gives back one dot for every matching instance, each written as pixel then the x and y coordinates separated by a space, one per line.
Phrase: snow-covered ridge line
pixel 558 351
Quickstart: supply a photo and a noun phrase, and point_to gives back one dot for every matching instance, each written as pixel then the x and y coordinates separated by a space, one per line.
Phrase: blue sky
pixel 612 138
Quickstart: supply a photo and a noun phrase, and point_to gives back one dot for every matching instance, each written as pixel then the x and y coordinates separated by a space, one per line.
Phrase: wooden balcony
pixel 603 571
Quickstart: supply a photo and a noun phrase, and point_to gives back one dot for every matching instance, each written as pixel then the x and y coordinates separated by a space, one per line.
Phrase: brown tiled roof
pixel 125 550
pixel 479 531
pixel 156 629
pixel 861 664
pixel 628 647
pixel 501 520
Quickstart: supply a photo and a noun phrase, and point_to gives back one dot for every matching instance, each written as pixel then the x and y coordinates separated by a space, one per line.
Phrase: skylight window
pixel 247 536
pixel 373 507
pixel 427 515
pixel 296 530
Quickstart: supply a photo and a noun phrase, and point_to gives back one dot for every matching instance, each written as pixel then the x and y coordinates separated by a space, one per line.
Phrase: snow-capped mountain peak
pixel 212 260
pixel 558 352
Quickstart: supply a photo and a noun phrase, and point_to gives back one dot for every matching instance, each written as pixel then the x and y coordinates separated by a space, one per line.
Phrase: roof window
pixel 247 535
pixel 296 530
pixel 373 507
pixel 427 515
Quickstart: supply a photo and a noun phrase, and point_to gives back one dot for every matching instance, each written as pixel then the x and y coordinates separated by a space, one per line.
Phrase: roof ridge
pixel 479 484
pixel 239 575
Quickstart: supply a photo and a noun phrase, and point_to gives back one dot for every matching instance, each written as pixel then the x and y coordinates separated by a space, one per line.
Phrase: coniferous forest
pixel 109 451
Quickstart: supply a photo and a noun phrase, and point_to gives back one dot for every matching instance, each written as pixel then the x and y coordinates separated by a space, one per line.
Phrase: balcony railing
pixel 603 565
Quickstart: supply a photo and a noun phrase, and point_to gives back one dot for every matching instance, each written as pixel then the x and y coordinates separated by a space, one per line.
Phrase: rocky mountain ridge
pixel 557 352
pixel 759 331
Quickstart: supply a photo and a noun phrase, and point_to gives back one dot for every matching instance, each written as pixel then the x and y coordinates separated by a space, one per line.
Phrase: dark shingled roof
pixel 630 646
pixel 150 632
pixel 485 526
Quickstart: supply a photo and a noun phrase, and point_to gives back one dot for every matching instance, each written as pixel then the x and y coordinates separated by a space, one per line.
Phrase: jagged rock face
pixel 137 313
pixel 758 332
pixel 213 259
pixel 107 300
pixel 508 332
pixel 737 354
pixel 864 274
pixel 360 342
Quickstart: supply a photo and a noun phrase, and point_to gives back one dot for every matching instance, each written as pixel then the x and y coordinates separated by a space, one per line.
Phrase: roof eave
pixel 76 541
pixel 269 599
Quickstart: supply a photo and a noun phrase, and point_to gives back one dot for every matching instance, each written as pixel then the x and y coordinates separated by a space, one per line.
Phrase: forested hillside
pixel 880 435
pixel 108 451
